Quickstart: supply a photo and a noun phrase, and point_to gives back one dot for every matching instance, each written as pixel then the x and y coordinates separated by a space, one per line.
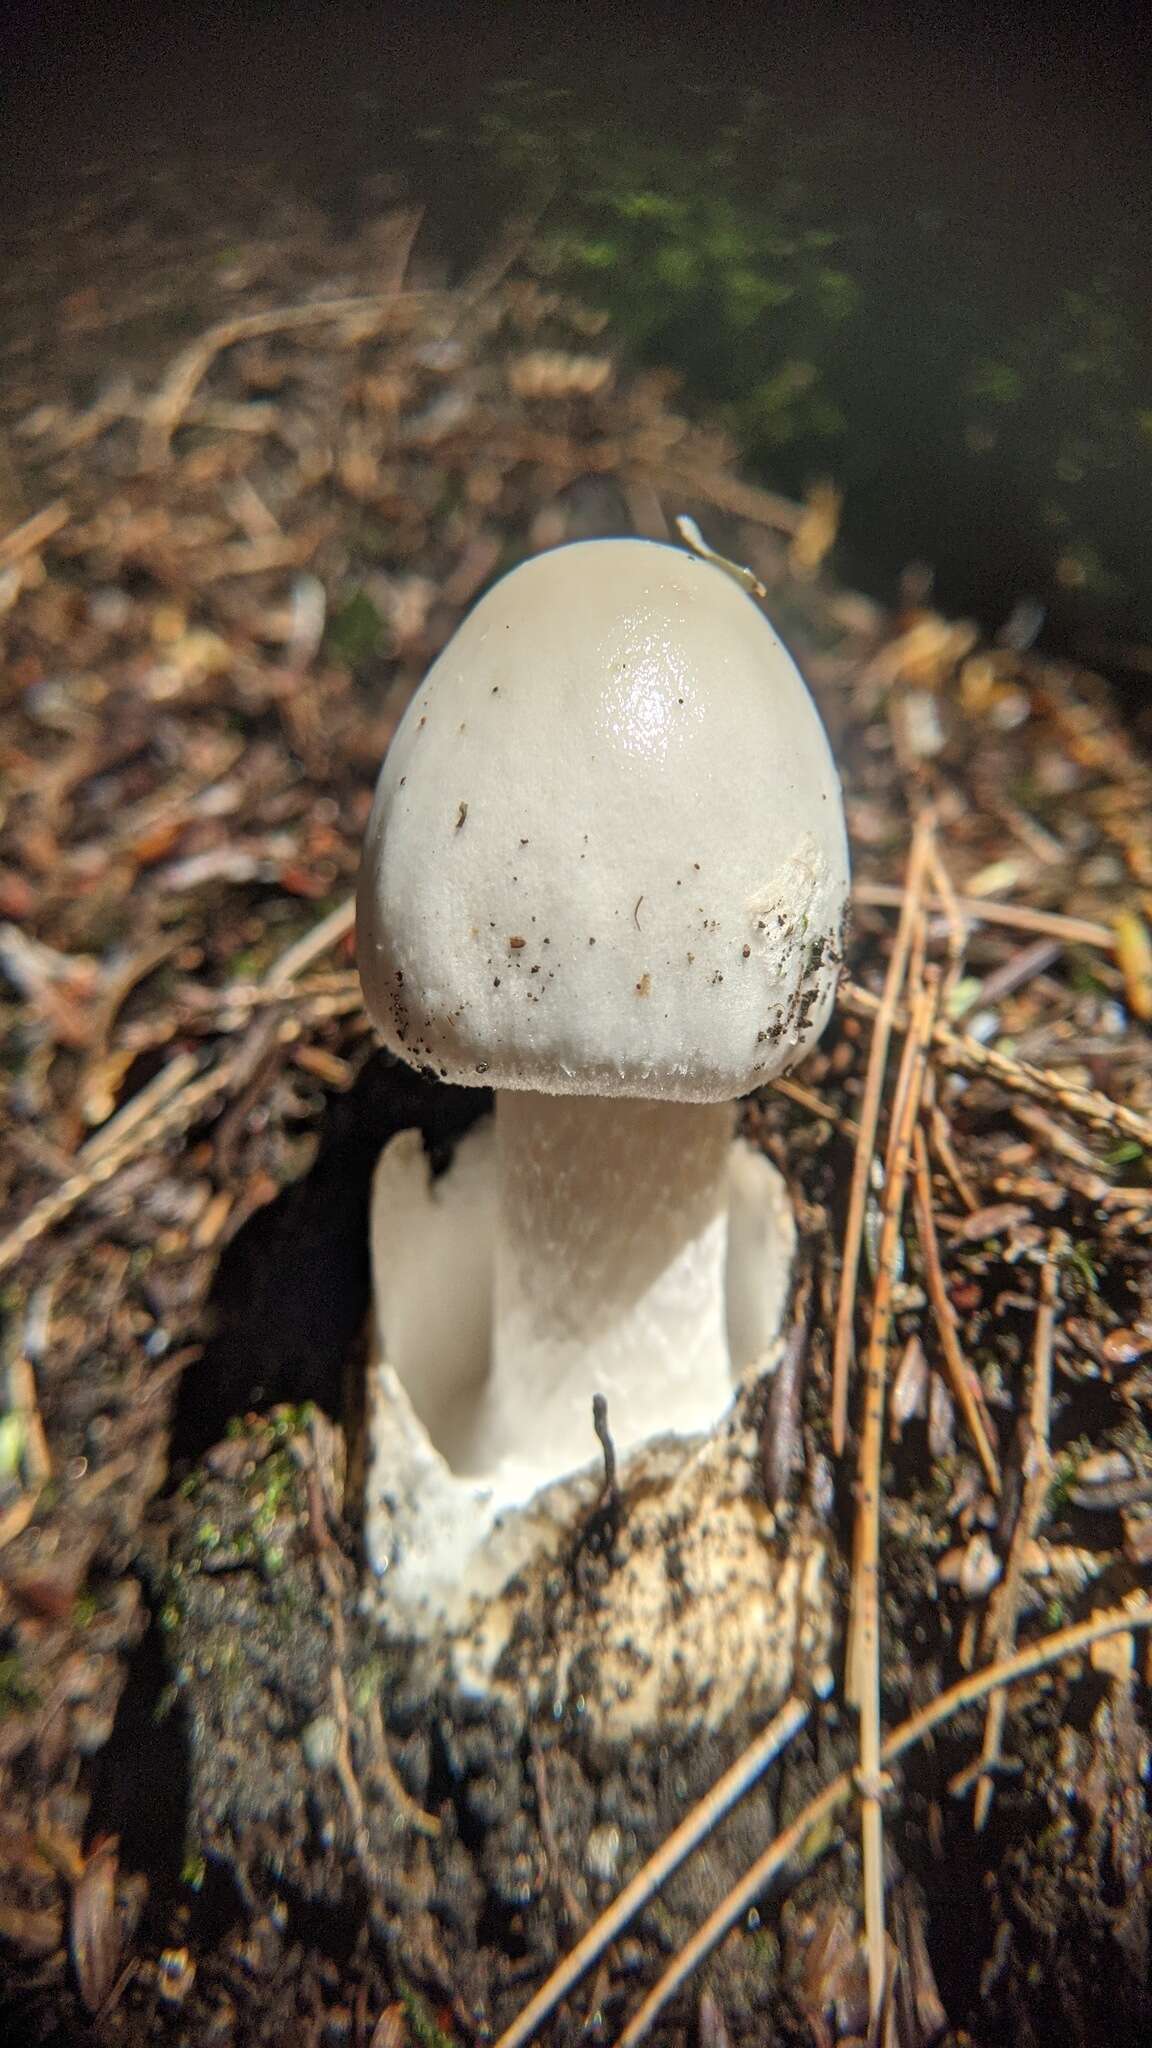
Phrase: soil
pixel 233 1811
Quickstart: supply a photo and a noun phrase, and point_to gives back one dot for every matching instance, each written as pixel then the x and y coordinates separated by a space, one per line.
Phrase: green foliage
pixel 979 386
pixel 997 382
pixel 12 1439
pixel 737 280
pixel 1129 1152
pixel 1061 405
pixel 355 632
pixel 1077 1262
pixel 1065 1467
pixel 423 2025
pixel 16 1693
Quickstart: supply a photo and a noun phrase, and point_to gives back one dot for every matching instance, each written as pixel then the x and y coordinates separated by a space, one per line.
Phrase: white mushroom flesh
pixel 606 871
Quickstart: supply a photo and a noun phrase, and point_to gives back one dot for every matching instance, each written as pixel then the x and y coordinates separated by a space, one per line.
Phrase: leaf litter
pixel 244 503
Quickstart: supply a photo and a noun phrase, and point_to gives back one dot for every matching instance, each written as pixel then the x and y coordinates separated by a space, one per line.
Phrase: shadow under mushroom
pixel 291 1292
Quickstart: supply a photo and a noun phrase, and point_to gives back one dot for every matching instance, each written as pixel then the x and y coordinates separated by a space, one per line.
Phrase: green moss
pixel 246 965
pixel 17 1693
pixel 425 2027
pixel 355 632
pixel 1065 1465
pixel 1076 1260
pixel 369 1683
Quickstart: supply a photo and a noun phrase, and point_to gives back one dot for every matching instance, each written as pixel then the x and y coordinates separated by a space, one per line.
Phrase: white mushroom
pixel 606 874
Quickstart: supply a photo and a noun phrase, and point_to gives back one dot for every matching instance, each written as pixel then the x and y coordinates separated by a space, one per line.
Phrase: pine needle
pixel 965 1055
pixel 1019 917
pixel 1005 1607
pixel 863 1659
pixel 885 1014
pixel 170 1103
pixel 962 1379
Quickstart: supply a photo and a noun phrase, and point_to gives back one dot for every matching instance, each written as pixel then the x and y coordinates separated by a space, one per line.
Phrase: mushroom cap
pixel 607 853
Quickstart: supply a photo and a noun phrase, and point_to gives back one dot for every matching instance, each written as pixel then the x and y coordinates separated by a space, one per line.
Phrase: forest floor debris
pixel 244 500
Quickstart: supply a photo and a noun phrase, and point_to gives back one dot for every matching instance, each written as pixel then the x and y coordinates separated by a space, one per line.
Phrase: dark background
pixel 978 166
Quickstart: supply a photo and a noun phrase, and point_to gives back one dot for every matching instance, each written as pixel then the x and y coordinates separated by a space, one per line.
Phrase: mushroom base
pixel 694 1602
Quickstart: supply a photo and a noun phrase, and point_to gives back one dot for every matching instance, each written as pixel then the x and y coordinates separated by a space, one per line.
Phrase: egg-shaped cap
pixel 607 853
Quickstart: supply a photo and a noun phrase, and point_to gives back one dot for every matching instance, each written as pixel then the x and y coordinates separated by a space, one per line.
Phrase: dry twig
pixel 186 372
pixel 727 493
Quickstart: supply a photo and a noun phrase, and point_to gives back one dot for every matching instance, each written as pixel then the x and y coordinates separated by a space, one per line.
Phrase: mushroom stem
pixel 611 1248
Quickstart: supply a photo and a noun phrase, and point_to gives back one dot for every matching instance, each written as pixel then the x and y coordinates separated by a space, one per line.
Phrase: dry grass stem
pixel 965 1055
pixel 964 1383
pixel 866 1141
pixel 177 1096
pixel 330 994
pixel 954 919
pixel 138 1109
pixel 945 1151
pixel 26 538
pixel 322 937
pixel 807 1098
pixel 1020 917
pixel 726 493
pixel 172 1117
pixel 1053 1649
pixel 1004 1608
pixel 863 1655
pixel 1040 1408
pixel 692 1830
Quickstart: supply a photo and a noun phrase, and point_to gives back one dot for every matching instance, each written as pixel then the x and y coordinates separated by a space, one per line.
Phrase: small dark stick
pixel 600 1425
pixel 781 1442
